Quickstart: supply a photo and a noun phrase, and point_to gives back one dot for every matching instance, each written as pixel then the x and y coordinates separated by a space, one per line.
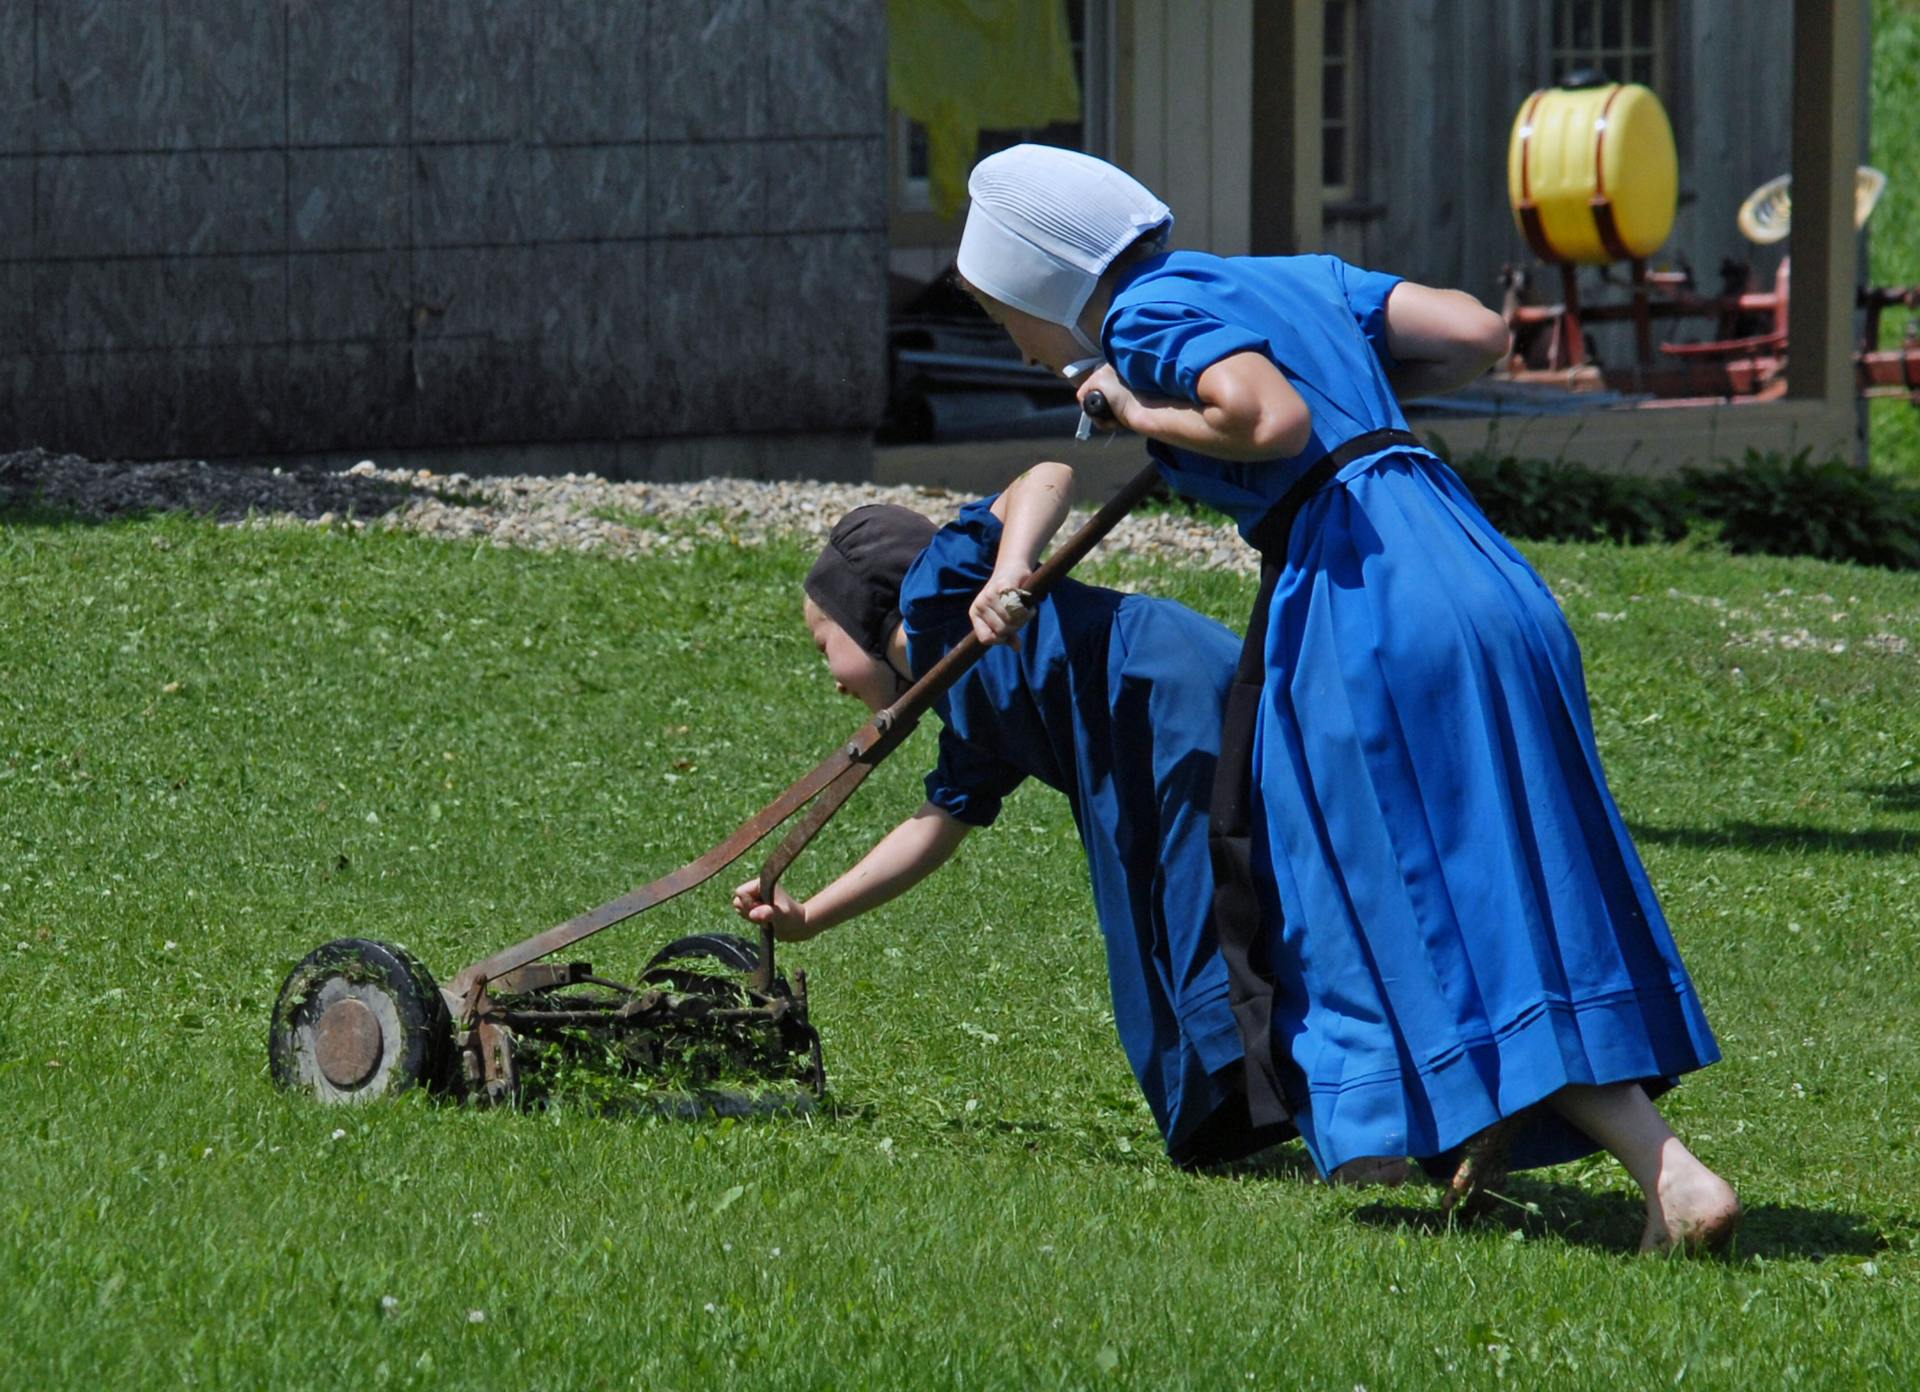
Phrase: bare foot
pixel 1385 1171
pixel 1483 1166
pixel 1690 1211
pixel 1689 1207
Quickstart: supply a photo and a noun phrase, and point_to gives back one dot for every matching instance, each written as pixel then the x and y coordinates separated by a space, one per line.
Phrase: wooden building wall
pixel 1185 72
pixel 229 227
pixel 1444 79
pixel 1203 94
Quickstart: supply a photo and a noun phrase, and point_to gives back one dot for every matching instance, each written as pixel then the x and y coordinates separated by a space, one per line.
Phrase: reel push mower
pixel 358 1019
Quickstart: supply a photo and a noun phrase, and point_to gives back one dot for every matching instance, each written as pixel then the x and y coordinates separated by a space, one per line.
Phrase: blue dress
pixel 1114 700
pixel 1465 925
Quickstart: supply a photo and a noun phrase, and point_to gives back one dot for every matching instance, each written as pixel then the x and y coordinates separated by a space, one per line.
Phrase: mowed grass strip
pixel 219 748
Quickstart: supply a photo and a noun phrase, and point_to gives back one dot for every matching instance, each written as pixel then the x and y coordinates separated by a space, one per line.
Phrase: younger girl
pixel 1451 934
pixel 1114 700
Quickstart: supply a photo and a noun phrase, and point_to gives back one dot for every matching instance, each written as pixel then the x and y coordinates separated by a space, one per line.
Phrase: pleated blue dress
pixel 1115 701
pixel 1464 926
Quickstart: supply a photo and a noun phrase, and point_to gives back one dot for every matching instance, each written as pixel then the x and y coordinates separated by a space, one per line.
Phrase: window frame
pixel 1616 60
pixel 1346 126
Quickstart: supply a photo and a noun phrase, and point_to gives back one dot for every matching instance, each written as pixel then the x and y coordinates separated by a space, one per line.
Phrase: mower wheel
pixel 357 1020
pixel 730 950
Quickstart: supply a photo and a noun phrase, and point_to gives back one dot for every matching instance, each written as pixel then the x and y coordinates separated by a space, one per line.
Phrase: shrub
pixel 1790 507
pixel 1769 503
pixel 1545 500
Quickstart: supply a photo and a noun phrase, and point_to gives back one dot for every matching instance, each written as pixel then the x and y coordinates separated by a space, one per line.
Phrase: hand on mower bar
pixel 787 915
pixel 1103 398
pixel 1002 608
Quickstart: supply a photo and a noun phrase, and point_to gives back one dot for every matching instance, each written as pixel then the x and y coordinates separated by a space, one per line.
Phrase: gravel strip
pixel 571 512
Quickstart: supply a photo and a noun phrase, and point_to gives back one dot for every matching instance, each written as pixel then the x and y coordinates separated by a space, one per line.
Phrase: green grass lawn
pixel 220 748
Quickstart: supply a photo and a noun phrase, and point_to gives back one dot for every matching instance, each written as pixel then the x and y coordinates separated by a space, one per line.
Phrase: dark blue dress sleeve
pixel 1162 346
pixel 949 573
pixel 968 783
pixel 1367 293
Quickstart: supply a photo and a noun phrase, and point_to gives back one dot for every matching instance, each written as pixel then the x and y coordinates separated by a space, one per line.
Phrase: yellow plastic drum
pixel 1578 154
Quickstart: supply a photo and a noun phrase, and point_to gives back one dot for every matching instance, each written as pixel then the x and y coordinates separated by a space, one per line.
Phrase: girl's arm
pixel 1441 339
pixel 1030 512
pixel 1248 410
pixel 899 861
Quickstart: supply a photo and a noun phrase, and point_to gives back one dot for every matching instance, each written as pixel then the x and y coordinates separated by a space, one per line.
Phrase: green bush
pixel 1545 500
pixel 1789 507
pixel 1768 503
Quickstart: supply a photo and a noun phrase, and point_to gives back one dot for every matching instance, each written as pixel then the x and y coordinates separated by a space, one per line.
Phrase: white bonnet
pixel 1045 223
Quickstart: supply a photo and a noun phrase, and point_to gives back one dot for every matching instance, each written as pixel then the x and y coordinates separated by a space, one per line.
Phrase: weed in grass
pixel 706 519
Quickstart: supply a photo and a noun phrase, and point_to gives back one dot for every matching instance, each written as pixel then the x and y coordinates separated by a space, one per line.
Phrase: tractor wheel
pixel 358 1020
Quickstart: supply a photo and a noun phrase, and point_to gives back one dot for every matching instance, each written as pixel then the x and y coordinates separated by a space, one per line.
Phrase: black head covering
pixel 857 579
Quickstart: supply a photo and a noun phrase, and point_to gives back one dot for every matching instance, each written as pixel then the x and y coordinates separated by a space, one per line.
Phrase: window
pixel 1340 102
pixel 1620 38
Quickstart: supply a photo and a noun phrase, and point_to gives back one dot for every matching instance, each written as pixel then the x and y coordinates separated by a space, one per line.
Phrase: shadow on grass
pixel 1287 1161
pixel 1613 1222
pixel 1755 836
pixel 42 489
pixel 1893 797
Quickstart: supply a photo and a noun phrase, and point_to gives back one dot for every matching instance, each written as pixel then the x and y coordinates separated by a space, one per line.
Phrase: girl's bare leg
pixel 1483 1166
pixel 1688 1205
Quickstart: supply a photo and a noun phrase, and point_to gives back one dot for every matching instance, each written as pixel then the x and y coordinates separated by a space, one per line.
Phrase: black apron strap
pixel 1238 924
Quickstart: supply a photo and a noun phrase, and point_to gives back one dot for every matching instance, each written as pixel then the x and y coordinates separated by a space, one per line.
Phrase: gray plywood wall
pixel 241 226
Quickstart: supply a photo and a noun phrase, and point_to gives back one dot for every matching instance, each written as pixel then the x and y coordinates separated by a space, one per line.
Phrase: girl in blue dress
pixel 1114 700
pixel 1436 913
